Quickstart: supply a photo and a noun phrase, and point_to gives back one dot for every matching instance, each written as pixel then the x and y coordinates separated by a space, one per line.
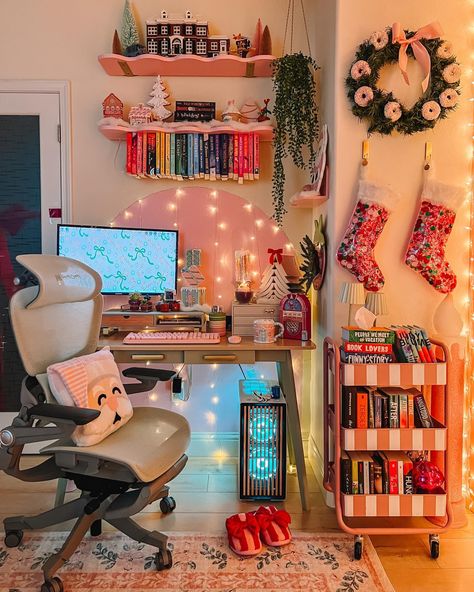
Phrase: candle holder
pixel 243 293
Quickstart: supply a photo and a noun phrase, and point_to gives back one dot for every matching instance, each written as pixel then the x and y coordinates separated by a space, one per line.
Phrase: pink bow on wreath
pixel 275 253
pixel 431 31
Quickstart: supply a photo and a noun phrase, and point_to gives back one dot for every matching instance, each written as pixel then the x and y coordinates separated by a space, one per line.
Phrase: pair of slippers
pixel 247 531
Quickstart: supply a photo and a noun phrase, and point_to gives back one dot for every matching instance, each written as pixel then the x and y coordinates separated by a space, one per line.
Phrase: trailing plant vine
pixel 296 120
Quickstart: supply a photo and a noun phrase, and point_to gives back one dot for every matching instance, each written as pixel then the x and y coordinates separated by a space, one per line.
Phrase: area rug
pixel 202 563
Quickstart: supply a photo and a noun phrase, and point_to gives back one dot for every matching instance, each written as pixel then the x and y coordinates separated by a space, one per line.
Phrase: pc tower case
pixel 262 473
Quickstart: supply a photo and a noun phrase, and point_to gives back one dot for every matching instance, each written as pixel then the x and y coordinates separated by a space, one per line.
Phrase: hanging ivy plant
pixel 296 120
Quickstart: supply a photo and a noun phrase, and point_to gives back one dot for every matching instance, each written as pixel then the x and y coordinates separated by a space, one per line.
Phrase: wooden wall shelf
pixel 187 65
pixel 119 132
pixel 310 199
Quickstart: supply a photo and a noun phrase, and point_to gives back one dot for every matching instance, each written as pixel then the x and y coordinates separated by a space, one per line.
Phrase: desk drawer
pixel 153 357
pixel 128 322
pixel 219 357
pixel 256 311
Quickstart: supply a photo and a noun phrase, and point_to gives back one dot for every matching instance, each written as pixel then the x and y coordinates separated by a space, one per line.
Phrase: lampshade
pixel 376 302
pixel 352 293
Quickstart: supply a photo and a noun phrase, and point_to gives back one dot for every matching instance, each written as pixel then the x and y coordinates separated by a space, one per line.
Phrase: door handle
pixel 220 358
pixel 148 357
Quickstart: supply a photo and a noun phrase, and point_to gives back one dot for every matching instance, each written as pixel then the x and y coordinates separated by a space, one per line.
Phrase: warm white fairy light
pixel 222 225
pixel 259 223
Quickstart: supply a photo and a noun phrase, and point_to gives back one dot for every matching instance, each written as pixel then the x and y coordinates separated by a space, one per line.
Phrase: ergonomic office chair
pixel 57 320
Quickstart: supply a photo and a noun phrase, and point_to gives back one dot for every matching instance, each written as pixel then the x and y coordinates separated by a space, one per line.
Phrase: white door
pixel 31 202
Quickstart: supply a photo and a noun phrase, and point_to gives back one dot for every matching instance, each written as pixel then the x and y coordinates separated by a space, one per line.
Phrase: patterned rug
pixel 201 563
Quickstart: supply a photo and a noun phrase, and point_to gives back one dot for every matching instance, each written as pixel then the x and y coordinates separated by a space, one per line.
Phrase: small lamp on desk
pixel 352 293
pixel 376 302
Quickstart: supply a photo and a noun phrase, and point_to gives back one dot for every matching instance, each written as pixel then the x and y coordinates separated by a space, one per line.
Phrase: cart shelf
pixel 393 374
pixel 379 505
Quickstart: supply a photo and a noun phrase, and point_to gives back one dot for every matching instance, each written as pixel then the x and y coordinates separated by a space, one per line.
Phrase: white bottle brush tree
pixel 158 100
pixel 274 285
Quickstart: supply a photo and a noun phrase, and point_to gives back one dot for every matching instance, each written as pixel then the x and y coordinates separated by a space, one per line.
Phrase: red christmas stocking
pixel 356 251
pixel 426 250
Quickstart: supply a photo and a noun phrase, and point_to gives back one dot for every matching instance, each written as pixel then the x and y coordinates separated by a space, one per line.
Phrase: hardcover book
pixel 349 414
pixel 362 402
pixel 374 335
pixel 366 358
pixel 422 415
pixel 367 348
pixel 346 474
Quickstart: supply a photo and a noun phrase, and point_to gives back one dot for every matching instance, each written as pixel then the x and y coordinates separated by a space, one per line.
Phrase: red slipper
pixel 244 534
pixel 273 524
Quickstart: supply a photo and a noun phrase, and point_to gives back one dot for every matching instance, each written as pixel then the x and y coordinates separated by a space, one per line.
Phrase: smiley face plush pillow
pixel 92 381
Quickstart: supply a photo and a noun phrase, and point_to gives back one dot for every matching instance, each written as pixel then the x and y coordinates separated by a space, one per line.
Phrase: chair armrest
pixel 148 377
pixel 63 413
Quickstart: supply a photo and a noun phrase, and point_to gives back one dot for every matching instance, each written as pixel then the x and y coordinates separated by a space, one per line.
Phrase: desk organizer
pixel 370 509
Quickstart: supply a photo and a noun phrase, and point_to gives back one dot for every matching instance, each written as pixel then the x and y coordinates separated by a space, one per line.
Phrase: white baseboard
pixel 317 464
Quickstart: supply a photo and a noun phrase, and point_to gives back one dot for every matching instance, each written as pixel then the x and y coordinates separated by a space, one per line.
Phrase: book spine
pixel 184 156
pixel 377 411
pixel 212 157
pixel 158 154
pixel 371 477
pixel 163 154
pixel 408 477
pixel 173 156
pixel 394 418
pixel 346 476
pixel 360 476
pixel 385 412
pixel 367 336
pixel 367 348
pixel 417 352
pixel 404 350
pixel 411 411
pixel 422 413
pixel 420 343
pixel 378 477
pixel 366 358
pixel 235 167
pixel 190 156
pixel 366 465
pixel 349 417
pixel 230 164
pixel 134 152
pixel 251 150
pixel 139 154
pixel 403 413
pixel 246 156
pixel 393 476
pixel 241 158
pixel 355 477
pixel 400 476
pixel 371 409
pixel 207 171
pixel 179 150
pixel 201 156
pixel 168 155
pixel 256 156
pixel 429 347
pixel 218 142
pixel 362 409
pixel 224 157
pixel 151 160
pixel 196 155
pixel 145 153
pixel 129 153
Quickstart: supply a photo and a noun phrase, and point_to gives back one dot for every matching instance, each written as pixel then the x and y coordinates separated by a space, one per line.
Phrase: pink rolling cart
pixel 364 514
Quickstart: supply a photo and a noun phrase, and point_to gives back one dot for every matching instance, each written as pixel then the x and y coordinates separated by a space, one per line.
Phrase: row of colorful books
pixel 383 472
pixel 381 345
pixel 194 156
pixel 388 407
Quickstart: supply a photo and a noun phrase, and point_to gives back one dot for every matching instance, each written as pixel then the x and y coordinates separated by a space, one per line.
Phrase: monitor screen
pixel 127 259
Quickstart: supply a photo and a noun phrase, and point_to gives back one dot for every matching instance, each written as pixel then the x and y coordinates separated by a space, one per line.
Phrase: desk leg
pixel 287 381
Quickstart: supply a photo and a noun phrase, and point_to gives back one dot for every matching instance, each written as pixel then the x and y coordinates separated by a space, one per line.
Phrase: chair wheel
pixel 167 504
pixel 434 547
pixel 13 538
pixel 358 547
pixel 53 585
pixel 163 560
pixel 96 528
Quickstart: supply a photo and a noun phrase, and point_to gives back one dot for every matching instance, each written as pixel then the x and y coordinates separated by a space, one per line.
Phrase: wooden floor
pixel 206 493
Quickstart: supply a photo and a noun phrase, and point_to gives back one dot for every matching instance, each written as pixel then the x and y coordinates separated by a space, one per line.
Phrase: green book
pixel 173 156
pixel 375 335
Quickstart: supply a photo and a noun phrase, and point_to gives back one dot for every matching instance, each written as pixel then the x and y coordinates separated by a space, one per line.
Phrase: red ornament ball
pixel 427 477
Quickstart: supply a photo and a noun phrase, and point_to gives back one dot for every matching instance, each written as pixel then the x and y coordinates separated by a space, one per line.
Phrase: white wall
pixel 395 160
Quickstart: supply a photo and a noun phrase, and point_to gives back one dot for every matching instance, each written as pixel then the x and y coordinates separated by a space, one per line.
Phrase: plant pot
pixel 134 305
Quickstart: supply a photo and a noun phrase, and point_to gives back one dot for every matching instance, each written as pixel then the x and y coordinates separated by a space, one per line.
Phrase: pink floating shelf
pixel 187 65
pixel 119 132
pixel 310 199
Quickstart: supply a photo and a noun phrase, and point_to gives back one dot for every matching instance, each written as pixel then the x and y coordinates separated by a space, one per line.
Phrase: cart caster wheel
pixel 163 560
pixel 434 547
pixel 167 504
pixel 53 585
pixel 13 538
pixel 358 550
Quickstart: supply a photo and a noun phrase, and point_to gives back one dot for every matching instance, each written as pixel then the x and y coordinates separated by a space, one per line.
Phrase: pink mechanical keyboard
pixel 171 337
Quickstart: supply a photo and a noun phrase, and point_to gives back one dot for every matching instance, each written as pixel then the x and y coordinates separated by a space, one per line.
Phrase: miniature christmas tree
pixel 274 285
pixel 158 100
pixel 129 33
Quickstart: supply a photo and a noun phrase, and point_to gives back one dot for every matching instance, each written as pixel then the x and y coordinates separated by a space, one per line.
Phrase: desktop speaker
pixel 262 444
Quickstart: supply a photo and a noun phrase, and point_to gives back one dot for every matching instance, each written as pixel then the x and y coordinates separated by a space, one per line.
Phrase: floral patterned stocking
pixel 426 250
pixel 356 251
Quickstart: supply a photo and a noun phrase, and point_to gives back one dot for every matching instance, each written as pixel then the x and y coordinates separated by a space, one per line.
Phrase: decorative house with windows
pixel 170 36
pixel 139 114
pixel 112 106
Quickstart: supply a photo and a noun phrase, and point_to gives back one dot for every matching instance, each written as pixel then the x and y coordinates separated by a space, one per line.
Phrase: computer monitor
pixel 128 259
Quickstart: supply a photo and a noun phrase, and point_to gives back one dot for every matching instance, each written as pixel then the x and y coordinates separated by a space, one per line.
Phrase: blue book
pixel 184 156
pixel 173 156
pixel 218 155
pixel 201 156
pixel 196 156
pixel 207 169
pixel 179 153
pixel 212 157
pixel 191 156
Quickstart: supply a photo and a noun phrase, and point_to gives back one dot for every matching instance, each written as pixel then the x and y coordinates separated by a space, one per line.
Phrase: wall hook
pixel 365 152
pixel 428 152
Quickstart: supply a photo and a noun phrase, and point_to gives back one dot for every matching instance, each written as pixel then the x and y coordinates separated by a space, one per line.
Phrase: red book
pixel 241 158
pixel 145 153
pixel 403 410
pixel 251 147
pixel 393 473
pixel 139 153
pixel 129 152
pixel 246 156
pixel 362 405
pixel 256 156
pixel 411 410
pixel 235 171
pixel 134 153
pixel 367 348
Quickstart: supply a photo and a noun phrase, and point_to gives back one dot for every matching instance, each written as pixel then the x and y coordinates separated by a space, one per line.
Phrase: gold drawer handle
pixel 222 358
pixel 269 310
pixel 148 357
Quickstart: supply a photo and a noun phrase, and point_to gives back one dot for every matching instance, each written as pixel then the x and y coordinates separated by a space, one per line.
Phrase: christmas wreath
pixel 383 111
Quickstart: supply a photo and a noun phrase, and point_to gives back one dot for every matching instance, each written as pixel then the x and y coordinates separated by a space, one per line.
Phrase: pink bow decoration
pixel 236 526
pixel 431 31
pixel 275 253
pixel 281 517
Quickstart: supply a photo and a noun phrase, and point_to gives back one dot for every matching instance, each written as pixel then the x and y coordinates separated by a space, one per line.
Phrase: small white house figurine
pixel 112 106
pixel 231 112
pixel 140 114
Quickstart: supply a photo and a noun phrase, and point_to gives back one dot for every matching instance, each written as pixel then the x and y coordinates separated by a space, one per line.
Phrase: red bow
pixel 275 253
pixel 236 526
pixel 281 517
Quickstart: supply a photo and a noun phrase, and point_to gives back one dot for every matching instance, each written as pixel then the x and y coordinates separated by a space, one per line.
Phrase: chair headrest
pixel 61 279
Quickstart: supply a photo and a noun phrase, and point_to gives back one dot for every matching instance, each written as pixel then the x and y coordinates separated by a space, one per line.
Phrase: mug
pixel 264 331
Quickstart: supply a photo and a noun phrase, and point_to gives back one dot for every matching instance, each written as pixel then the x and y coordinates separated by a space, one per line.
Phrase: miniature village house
pixel 170 35
pixel 139 114
pixel 112 106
